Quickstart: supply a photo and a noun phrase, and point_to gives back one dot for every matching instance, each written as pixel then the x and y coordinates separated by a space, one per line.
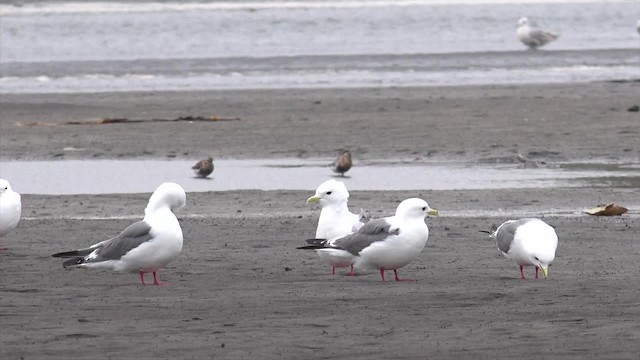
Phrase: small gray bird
pixel 203 168
pixel 343 163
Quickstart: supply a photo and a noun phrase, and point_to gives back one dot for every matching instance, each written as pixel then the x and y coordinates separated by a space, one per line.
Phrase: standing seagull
pixel 532 37
pixel 203 168
pixel 145 246
pixel 529 242
pixel 10 208
pixel 389 243
pixel 343 163
pixel 335 221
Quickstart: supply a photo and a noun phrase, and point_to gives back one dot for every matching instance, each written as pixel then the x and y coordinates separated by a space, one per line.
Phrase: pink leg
pixel 537 272
pixel 352 272
pixel 155 280
pixel 333 270
pixel 398 279
pixel 382 273
pixel 521 272
pixel 142 278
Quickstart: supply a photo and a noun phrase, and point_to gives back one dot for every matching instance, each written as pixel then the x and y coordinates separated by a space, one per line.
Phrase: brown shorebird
pixel 343 163
pixel 203 168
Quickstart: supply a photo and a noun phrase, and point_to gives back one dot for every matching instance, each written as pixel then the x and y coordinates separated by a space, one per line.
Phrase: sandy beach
pixel 240 289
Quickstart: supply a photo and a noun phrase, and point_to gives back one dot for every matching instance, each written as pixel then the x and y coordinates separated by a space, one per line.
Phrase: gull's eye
pixel 329 192
pixel 424 208
pixel 535 257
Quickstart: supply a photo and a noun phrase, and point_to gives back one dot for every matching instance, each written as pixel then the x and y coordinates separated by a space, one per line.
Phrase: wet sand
pixel 241 290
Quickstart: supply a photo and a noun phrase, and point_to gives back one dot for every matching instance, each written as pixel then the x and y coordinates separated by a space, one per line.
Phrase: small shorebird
pixel 203 168
pixel 532 37
pixel 343 163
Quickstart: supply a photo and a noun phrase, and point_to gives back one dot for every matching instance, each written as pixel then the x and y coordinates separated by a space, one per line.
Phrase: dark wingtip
pixel 72 262
pixel 311 247
pixel 72 253
pixel 315 241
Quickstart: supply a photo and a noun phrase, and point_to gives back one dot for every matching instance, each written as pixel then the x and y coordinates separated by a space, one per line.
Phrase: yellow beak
pixel 314 199
pixel 545 271
pixel 432 212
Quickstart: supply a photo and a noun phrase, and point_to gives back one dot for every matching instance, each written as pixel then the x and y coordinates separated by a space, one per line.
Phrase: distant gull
pixel 145 246
pixel 335 221
pixel 532 37
pixel 529 242
pixel 203 168
pixel 10 208
pixel 389 243
pixel 343 163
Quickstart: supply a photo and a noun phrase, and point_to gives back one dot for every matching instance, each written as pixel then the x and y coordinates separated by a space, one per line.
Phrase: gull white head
pixel 330 192
pixel 414 208
pixel 169 195
pixel 523 21
pixel 4 186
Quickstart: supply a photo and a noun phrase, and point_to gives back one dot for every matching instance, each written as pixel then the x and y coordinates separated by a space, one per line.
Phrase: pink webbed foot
pixel 352 272
pixel 156 282
pixel 142 278
pixel 395 272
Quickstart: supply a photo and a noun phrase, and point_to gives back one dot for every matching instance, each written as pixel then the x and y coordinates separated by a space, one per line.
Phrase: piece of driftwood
pixel 607 210
pixel 109 121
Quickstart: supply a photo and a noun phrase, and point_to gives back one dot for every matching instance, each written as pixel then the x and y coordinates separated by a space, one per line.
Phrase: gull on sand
pixel 528 242
pixel 388 243
pixel 335 222
pixel 10 208
pixel 145 246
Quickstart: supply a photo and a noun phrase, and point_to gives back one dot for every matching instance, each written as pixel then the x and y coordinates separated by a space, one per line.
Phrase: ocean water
pixel 67 47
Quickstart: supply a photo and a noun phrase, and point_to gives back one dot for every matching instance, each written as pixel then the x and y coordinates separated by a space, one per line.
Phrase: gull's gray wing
pixel 506 232
pixel 132 237
pixel 112 249
pixel 369 233
pixel 542 37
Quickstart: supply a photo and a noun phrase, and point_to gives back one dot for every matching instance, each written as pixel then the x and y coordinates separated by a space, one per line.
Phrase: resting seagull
pixel 335 221
pixel 529 242
pixel 532 37
pixel 10 208
pixel 146 246
pixel 389 243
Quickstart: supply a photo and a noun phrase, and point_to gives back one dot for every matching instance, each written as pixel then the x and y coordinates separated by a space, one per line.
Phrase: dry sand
pixel 240 289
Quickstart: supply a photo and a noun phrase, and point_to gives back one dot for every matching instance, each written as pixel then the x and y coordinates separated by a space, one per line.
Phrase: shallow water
pixel 135 176
pixel 98 46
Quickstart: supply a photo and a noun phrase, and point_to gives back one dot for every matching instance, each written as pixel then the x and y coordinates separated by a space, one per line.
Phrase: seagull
pixel 529 242
pixel 10 208
pixel 388 243
pixel 145 246
pixel 532 37
pixel 335 221
pixel 343 163
pixel 203 168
